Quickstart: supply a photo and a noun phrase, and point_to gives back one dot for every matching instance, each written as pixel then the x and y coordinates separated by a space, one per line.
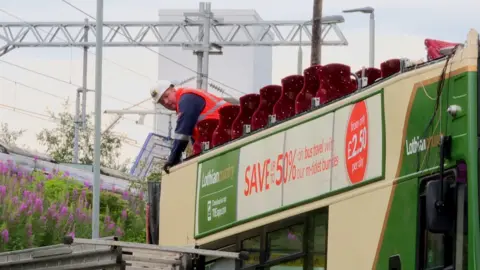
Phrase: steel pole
pixel 160 76
pixel 80 114
pixel 300 55
pixel 199 53
pixel 98 122
pixel 170 127
pixel 372 39
pixel 156 120
pixel 316 54
pixel 76 123
pixel 207 10
pixel 199 69
pixel 84 82
pixel 156 107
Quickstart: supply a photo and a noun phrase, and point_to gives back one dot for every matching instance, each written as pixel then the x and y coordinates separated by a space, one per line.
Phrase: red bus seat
pixel 285 106
pixel 335 82
pixel 390 67
pixel 372 75
pixel 303 101
pixel 222 133
pixel 205 129
pixel 248 104
pixel 269 95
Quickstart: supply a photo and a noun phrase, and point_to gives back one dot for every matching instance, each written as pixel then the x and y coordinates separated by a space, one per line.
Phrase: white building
pixel 246 69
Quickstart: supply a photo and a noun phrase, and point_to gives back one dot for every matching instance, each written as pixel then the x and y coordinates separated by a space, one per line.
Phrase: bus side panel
pixel 400 234
pixel 419 155
pixel 354 227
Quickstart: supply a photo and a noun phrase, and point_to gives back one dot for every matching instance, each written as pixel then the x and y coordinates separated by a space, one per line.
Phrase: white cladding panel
pixel 244 68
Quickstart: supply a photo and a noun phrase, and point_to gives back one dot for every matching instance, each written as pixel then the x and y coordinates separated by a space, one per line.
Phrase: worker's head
pixel 163 92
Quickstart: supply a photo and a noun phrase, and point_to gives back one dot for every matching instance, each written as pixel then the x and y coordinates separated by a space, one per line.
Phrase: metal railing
pixel 110 254
pixel 63 257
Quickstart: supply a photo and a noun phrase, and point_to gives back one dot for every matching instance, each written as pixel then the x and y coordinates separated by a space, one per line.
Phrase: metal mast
pixel 166 34
pixel 316 54
pixel 98 122
pixel 205 36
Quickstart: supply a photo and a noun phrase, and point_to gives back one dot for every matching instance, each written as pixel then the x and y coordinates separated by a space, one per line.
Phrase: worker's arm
pixel 190 106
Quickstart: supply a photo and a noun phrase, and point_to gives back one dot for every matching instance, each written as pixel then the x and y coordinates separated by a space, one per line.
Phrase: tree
pixel 155 170
pixel 59 142
pixel 9 137
pixel 155 174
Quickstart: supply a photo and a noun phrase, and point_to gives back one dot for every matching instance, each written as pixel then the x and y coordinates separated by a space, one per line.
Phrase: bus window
pixel 461 245
pixel 447 248
pixel 252 245
pixel 319 252
pixel 298 243
pixel 290 265
pixel 284 242
pixel 436 248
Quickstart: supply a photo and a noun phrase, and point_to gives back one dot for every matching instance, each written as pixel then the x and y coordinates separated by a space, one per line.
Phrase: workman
pixel 192 106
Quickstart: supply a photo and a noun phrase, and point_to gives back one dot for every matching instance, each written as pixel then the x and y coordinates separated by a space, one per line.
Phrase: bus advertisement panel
pixel 316 158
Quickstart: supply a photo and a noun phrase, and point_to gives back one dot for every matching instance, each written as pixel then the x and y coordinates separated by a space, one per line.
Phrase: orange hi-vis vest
pixel 210 111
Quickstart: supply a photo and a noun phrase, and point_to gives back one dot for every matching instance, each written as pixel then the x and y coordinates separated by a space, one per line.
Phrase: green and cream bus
pixel 385 178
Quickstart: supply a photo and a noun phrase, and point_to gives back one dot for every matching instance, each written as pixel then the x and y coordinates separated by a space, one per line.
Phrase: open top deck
pixel 348 152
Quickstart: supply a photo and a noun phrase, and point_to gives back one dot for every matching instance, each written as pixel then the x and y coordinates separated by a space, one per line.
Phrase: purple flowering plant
pixel 39 209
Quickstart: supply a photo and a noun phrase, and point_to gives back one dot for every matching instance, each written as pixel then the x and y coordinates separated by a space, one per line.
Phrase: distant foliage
pixel 39 209
pixel 8 136
pixel 59 142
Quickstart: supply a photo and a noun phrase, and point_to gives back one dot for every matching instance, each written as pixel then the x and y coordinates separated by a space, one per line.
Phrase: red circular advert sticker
pixel 356 143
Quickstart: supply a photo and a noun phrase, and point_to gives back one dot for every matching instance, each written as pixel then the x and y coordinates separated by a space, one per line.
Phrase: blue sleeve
pixel 190 106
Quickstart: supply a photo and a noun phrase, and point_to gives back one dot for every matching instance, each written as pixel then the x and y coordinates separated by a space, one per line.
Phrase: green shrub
pixel 39 210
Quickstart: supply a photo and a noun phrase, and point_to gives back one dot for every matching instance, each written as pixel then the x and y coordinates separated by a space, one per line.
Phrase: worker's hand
pixel 166 167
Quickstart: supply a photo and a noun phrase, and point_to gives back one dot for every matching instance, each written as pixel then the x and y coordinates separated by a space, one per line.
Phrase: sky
pixel 401 28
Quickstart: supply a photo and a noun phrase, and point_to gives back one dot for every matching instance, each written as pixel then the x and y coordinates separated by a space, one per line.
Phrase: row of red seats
pixel 294 96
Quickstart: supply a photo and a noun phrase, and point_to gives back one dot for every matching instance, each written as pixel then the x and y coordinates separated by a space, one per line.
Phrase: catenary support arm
pixel 167 34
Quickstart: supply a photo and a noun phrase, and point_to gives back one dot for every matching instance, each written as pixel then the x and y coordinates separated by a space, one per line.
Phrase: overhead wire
pixel 32 88
pixel 52 77
pixel 45 92
pixel 156 52
pixel 30 113
pixel 119 116
pixel 70 83
pixel 58 97
pixel 65 98
pixel 49 118
pixel 27 112
pixel 135 121
pixel 92 53
pixel 60 80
